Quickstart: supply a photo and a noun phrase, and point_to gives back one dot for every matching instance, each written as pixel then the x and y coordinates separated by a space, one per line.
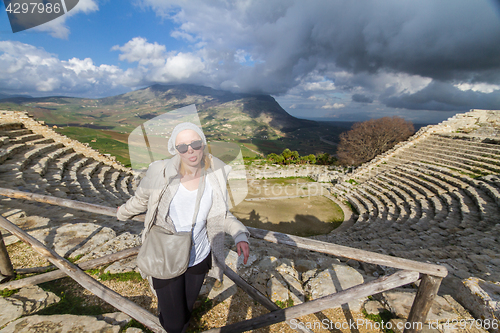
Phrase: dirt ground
pixel 306 216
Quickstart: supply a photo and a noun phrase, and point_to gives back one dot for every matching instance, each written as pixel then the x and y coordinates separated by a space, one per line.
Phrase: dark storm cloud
pixel 361 98
pixel 342 51
pixel 441 96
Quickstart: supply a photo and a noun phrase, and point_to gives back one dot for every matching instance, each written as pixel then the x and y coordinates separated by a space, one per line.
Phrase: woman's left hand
pixel 243 247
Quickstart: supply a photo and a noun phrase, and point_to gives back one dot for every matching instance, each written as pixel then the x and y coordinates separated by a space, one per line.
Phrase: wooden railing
pixel 430 275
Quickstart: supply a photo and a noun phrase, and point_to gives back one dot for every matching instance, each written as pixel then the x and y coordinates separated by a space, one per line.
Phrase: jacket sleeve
pixel 139 202
pixel 236 229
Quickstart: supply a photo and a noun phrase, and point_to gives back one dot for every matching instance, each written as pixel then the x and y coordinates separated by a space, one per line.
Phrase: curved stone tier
pixel 435 197
pixel 39 164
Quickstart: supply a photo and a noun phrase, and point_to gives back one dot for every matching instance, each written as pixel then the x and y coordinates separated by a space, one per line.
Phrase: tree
pixel 274 158
pixel 370 138
pixel 323 159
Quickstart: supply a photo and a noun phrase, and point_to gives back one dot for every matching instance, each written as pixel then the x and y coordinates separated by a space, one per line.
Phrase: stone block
pixel 400 304
pixel 60 323
pixel 277 290
pixel 481 298
pixel 336 278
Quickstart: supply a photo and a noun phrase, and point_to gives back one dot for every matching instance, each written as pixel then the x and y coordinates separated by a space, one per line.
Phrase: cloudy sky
pixel 344 60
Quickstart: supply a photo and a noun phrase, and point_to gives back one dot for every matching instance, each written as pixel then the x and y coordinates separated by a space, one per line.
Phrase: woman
pixel 183 175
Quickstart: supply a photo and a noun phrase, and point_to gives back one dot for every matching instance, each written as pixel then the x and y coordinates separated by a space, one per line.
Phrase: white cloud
pixel 32 70
pixel 156 65
pixel 318 86
pixel 333 106
pixel 139 50
pixel 58 28
pixel 481 87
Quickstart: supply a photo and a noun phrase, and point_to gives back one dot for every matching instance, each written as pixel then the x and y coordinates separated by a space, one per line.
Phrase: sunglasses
pixel 183 148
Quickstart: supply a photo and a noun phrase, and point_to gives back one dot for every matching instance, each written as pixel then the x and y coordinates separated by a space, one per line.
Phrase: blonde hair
pixel 205 163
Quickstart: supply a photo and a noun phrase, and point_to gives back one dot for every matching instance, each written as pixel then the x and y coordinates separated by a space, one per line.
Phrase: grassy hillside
pixel 256 122
pixel 103 141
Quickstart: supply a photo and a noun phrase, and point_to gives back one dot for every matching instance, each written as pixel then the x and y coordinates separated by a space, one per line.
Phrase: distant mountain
pixel 244 115
pixel 4 96
pixel 256 121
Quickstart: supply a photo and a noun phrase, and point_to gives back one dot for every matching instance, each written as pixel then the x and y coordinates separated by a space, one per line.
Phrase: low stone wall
pixel 320 173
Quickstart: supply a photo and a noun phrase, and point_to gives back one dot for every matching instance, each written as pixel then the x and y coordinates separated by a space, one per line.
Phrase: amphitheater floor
pixel 303 216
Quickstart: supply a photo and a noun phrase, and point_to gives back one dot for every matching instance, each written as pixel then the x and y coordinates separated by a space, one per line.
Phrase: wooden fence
pixel 430 275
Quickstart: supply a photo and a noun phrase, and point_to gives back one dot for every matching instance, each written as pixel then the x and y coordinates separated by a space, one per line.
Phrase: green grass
pixel 351 207
pixel 383 318
pixel 127 276
pixel 136 324
pixel 69 304
pixel 198 312
pixel 8 292
pixel 288 303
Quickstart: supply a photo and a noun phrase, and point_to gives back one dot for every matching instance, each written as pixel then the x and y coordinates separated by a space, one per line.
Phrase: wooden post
pixel 257 295
pixel 6 270
pixel 101 291
pixel 427 291
pixel 37 279
pixel 384 283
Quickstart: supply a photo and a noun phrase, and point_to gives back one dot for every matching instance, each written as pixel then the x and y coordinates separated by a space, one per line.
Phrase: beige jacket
pixel 219 220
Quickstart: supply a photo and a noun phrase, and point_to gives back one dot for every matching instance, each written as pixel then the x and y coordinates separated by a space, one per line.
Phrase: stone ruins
pixel 434 198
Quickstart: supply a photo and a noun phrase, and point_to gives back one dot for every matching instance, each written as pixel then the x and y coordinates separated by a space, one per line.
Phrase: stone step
pixel 35 152
pixel 490 154
pixel 480 146
pixel 12 125
pixel 98 182
pixel 56 171
pixel 367 204
pixel 42 141
pixel 424 159
pixel 11 151
pixel 408 194
pixel 403 209
pixel 122 185
pixel 484 199
pixel 26 138
pixel 4 140
pixel 42 165
pixel 391 207
pixel 15 133
pixel 471 159
pixel 379 206
pixel 457 162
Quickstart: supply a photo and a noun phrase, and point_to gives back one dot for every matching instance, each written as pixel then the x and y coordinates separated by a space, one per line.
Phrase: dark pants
pixel 176 296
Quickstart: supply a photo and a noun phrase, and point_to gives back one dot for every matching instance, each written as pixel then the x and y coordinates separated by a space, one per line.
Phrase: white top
pixel 181 212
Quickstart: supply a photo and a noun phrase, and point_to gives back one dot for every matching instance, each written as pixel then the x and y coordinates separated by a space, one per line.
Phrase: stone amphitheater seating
pixel 435 197
pixel 40 164
pixel 35 159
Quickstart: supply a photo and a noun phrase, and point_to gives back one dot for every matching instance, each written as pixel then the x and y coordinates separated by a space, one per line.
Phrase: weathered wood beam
pixel 74 204
pixel 259 297
pixel 6 270
pixel 31 270
pixel 101 291
pixel 348 252
pixel 427 291
pixel 49 276
pixel 384 283
pixel 270 236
